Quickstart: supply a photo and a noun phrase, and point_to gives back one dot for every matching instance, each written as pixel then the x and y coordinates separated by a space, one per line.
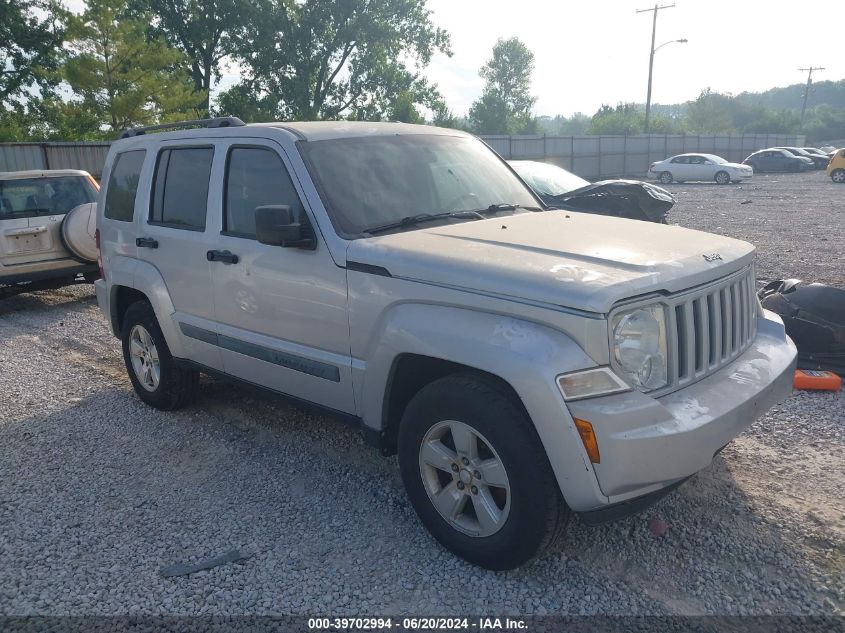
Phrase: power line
pixel 654 9
pixel 809 72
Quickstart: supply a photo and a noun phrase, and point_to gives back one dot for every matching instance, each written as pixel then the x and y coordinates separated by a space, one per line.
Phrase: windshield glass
pixel 29 197
pixel 716 159
pixel 373 181
pixel 547 180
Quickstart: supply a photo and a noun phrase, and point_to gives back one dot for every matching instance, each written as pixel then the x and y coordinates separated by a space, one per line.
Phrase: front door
pixel 282 312
pixel 175 239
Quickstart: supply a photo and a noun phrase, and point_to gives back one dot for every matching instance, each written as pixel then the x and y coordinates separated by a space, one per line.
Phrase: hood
pixel 621 198
pixel 735 165
pixel 576 260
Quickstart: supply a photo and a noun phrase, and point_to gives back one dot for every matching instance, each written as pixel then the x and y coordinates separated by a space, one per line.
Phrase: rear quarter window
pixel 122 187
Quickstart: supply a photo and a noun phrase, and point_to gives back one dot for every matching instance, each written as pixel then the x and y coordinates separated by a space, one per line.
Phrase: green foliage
pixel 123 78
pixel 31 33
pixel 505 104
pixel 825 123
pixel 327 59
pixel 403 109
pixel 203 30
pixel 443 115
pixel 559 125
pixel 710 113
pixel 629 119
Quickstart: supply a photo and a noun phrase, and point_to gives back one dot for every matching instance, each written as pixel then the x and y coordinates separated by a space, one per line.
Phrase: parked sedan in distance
pixel 701 167
pixel 773 159
pixel 819 162
pixel 561 189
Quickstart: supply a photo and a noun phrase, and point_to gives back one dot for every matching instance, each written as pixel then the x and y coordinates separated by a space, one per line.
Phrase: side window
pixel 180 190
pixel 683 160
pixel 255 177
pixel 123 185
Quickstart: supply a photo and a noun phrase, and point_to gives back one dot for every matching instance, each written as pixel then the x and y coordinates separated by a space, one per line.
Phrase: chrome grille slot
pixel 710 328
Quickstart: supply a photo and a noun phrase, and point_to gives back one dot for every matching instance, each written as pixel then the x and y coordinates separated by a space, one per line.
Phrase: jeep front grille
pixel 709 328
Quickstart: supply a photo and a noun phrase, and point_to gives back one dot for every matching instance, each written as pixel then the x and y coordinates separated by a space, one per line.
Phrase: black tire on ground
pixel 723 178
pixel 838 176
pixel 665 177
pixel 537 514
pixel 177 387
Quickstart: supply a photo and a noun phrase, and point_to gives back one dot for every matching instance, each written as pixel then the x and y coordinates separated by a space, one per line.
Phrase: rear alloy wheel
pixel 723 178
pixel 476 472
pixel 157 379
pixel 665 178
pixel 838 176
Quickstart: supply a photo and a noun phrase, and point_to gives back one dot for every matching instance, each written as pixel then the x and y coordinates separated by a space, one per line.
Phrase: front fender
pixel 528 356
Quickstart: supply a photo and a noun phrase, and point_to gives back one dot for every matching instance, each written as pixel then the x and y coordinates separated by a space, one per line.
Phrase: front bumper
pixel 647 444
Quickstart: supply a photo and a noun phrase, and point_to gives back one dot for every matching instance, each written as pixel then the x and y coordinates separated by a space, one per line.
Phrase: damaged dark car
pixel 560 189
pixel 814 317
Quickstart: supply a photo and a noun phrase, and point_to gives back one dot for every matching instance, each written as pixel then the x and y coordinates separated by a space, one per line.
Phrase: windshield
pixel 716 159
pixel 29 197
pixel 374 181
pixel 547 180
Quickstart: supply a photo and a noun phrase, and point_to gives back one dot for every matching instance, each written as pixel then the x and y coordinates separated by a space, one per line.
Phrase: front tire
pixel 723 178
pixel 838 176
pixel 154 375
pixel 665 177
pixel 476 473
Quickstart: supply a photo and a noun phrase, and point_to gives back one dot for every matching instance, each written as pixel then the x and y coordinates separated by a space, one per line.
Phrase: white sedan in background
pixel 708 167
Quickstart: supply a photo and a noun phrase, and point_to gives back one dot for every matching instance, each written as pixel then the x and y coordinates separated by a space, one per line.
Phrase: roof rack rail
pixel 221 121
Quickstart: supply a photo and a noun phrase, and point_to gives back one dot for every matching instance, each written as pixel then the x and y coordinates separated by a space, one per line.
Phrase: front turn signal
pixel 588 437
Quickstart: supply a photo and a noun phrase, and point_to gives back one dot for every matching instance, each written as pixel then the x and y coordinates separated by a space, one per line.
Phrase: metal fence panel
pixel 20 157
pixel 90 157
pixel 597 157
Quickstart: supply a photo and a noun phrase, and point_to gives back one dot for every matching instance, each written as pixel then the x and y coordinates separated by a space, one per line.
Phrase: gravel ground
pixel 98 492
pixel 795 220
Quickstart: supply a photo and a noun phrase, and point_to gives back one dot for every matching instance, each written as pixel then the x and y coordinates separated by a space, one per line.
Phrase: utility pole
pixel 655 9
pixel 809 72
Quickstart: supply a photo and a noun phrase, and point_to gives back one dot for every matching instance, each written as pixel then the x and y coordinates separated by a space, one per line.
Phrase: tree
pixel 506 101
pixel 203 30
pixel 327 59
pixel 31 33
pixel 403 109
pixel 123 78
pixel 710 114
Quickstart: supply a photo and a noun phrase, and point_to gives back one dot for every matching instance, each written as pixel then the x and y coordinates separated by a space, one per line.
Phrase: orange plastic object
pixel 821 380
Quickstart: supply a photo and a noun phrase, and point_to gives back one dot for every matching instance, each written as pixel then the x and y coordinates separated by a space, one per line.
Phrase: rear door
pixel 680 168
pixel 174 238
pixel 282 312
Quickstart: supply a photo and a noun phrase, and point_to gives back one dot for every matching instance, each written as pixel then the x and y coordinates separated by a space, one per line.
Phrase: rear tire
pixel 838 176
pixel 458 436
pixel 723 178
pixel 151 368
pixel 665 177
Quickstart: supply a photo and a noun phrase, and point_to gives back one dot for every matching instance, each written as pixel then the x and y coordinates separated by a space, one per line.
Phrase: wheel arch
pixel 419 343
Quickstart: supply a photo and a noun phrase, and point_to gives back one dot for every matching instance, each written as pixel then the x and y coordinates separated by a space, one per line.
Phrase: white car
pixel 701 167
pixel 47 224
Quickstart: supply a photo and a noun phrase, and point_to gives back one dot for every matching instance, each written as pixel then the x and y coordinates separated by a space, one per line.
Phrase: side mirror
pixel 275 226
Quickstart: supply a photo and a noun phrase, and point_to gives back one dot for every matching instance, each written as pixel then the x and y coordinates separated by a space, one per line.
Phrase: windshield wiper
pixel 504 206
pixel 413 220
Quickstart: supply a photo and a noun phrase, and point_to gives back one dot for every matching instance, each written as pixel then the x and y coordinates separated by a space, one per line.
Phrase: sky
pixel 595 52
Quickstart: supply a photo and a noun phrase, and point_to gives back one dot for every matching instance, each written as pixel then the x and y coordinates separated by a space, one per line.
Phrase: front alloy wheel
pixel 464 478
pixel 477 473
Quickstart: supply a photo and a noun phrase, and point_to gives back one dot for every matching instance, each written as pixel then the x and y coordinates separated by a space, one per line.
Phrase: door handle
pixel 146 242
pixel 227 257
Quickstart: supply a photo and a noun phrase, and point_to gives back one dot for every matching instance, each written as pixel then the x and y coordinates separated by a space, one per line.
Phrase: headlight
pixel 639 346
